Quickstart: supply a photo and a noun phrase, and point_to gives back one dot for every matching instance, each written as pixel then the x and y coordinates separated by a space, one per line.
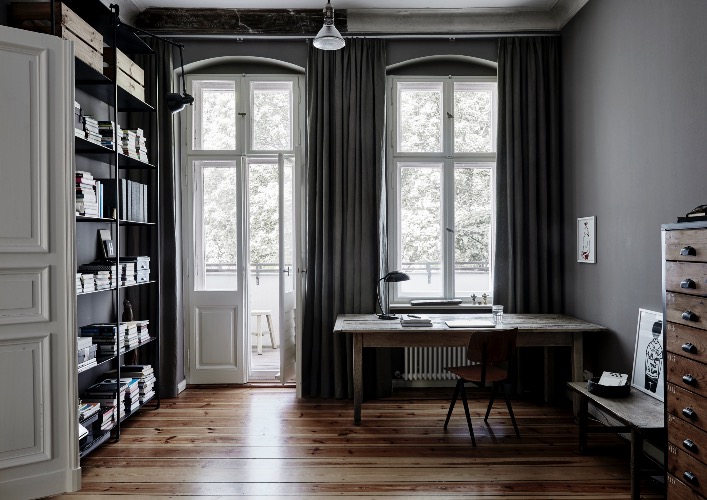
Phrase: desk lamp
pixel 391 277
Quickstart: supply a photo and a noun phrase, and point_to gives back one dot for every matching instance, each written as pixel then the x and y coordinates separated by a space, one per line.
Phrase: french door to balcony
pixel 242 279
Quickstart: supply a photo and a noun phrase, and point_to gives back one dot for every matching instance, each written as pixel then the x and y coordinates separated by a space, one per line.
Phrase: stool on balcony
pixel 259 313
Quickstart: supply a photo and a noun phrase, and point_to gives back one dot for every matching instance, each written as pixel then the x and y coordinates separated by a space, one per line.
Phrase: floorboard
pixel 217 442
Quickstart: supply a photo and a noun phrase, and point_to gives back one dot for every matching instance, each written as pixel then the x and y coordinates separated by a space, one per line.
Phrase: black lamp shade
pixel 177 102
pixel 391 277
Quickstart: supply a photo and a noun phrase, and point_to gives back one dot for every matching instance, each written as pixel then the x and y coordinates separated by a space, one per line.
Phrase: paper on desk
pixel 613 379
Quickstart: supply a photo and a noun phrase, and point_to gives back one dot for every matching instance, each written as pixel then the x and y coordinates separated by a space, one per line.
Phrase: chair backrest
pixel 490 347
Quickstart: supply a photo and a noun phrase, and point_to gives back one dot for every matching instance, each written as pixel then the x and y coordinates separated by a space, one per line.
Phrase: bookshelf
pixel 103 98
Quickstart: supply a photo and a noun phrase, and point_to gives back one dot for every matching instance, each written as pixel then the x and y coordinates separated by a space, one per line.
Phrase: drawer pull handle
pixel 690 316
pixel 690 477
pixel 689 380
pixel 688 250
pixel 689 413
pixel 690 445
pixel 688 283
pixel 689 347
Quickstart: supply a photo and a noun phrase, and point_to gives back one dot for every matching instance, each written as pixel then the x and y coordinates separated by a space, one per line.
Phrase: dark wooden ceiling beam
pixel 238 21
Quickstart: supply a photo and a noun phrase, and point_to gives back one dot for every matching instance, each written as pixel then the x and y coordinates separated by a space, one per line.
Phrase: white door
pixel 288 267
pixel 216 311
pixel 38 401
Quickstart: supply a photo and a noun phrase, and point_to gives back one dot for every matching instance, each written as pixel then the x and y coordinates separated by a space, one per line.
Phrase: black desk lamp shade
pixel 391 277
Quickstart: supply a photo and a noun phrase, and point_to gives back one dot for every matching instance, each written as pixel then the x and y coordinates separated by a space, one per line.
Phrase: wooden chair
pixel 487 349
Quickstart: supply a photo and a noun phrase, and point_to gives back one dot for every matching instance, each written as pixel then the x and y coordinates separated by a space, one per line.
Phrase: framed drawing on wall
pixel 586 236
pixel 647 375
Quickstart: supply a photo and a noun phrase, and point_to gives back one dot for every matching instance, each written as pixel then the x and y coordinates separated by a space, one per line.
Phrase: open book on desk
pixel 415 320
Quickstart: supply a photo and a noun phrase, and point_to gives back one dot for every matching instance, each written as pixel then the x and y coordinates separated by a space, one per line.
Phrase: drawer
pixel 690 242
pixel 689 470
pixel 677 490
pixel 678 307
pixel 687 406
pixel 686 277
pixel 688 374
pixel 688 438
pixel 686 341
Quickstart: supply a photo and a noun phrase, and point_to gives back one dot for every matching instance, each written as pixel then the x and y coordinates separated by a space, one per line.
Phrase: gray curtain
pixel 345 213
pixel 169 230
pixel 529 245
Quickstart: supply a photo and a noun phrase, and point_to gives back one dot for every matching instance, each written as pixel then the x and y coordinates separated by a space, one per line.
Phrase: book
pixel 415 320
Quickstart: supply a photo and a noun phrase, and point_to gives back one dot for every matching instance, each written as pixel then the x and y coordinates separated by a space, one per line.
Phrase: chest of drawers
pixel 685 334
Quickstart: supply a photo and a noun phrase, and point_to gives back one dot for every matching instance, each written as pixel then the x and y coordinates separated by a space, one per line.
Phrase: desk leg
pixel 577 366
pixel 583 422
pixel 357 376
pixel 636 451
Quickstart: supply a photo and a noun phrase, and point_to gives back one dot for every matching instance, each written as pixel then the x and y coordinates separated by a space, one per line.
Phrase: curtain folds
pixel 345 212
pixel 169 230
pixel 529 245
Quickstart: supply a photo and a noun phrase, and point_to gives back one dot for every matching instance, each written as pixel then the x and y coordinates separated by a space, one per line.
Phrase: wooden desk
pixel 638 412
pixel 544 330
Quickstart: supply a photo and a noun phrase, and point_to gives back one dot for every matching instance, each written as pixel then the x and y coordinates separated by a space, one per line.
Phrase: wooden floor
pixel 262 442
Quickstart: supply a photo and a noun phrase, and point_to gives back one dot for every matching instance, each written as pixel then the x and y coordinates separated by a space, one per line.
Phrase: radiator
pixel 427 363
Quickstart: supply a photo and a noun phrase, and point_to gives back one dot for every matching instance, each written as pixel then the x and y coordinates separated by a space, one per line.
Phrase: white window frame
pixel 448 158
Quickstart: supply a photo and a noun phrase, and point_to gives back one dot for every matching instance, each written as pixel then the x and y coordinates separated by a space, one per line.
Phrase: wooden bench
pixel 640 414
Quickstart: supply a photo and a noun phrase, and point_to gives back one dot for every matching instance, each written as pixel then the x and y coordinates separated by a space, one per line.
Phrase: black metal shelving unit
pixel 106 21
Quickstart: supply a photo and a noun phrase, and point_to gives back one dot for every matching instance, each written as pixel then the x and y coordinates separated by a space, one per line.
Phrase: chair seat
pixel 472 373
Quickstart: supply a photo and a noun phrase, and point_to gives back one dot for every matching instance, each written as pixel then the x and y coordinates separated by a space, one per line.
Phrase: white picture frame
pixel 648 374
pixel 586 240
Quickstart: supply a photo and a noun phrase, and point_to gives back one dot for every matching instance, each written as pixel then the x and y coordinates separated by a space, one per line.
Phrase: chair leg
pixel 493 397
pixel 468 416
pixel 454 400
pixel 510 410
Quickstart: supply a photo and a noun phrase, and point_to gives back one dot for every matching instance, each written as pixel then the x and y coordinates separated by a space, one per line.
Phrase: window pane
pixel 214 115
pixel 288 222
pixel 264 228
pixel 217 242
pixel 473 119
pixel 420 117
pixel 271 116
pixel 421 228
pixel 472 229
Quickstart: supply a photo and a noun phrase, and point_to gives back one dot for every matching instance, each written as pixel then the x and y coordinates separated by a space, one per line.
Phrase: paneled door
pixel 216 313
pixel 288 267
pixel 38 416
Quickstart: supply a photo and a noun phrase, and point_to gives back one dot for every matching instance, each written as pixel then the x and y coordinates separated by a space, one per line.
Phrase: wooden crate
pixel 127 83
pixel 36 16
pixel 125 64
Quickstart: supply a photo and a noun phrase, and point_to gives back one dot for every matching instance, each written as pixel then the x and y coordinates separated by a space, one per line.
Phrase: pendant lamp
pixel 329 37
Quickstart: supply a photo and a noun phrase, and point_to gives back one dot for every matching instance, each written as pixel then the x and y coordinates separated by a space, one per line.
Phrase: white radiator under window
pixel 427 363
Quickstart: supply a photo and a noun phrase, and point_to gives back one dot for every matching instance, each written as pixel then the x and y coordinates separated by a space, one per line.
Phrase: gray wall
pixel 635 154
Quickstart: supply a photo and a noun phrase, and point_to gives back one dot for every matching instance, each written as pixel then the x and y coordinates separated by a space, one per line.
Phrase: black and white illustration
pixel 648 373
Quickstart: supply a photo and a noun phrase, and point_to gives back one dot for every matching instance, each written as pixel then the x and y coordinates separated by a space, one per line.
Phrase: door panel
pixel 38 380
pixel 217 346
pixel 288 268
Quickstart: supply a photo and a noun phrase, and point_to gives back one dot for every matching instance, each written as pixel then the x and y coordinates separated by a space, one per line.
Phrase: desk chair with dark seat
pixel 487 349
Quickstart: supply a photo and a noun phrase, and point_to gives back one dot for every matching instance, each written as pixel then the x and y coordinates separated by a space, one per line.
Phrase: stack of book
pixel 87 410
pixel 86 353
pixel 145 376
pixel 131 337
pixel 142 267
pixel 78 121
pixel 105 274
pixel 79 283
pixel 415 320
pixel 109 132
pixel 106 418
pixel 86 196
pixel 89 282
pixel 134 144
pixel 143 330
pixel 90 126
pixel 132 391
pixel 109 393
pixel 127 274
pixel 107 336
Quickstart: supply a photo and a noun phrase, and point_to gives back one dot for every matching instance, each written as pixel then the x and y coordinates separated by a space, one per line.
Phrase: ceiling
pixel 543 5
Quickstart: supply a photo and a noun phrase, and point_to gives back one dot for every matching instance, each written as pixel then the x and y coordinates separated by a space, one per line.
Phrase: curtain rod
pixel 404 36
